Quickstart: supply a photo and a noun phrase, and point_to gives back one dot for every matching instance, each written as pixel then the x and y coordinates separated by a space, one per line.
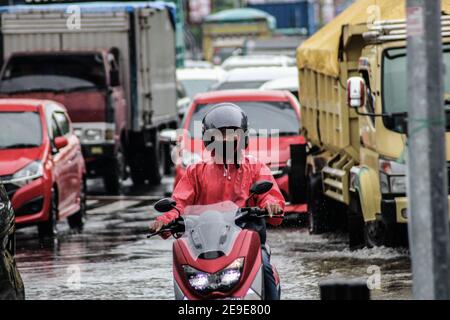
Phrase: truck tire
pixel 115 173
pixel 355 224
pixel 156 161
pixel 76 221
pixel 137 170
pixel 48 229
pixel 168 164
pixel 377 234
pixel 318 209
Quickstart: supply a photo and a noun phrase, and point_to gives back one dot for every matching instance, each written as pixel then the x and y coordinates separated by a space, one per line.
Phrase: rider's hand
pixel 156 226
pixel 273 208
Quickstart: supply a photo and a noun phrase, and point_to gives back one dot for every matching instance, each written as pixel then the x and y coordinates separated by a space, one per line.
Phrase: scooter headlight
pixel 223 280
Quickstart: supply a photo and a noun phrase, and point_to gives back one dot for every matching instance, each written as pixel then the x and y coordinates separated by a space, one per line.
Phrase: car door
pixel 66 169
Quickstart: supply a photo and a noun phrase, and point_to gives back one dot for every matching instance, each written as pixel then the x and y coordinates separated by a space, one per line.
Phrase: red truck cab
pixel 87 83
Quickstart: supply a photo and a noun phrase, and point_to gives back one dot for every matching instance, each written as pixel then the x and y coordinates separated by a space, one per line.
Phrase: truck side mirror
pixel 114 78
pixel 356 92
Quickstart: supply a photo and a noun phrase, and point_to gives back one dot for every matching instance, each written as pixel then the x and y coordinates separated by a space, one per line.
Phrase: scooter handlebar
pixel 257 213
pixel 170 227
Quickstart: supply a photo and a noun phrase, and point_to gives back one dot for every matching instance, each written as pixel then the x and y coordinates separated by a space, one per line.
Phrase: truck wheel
pixel 318 211
pixel 49 228
pixel 167 158
pixel 155 167
pixel 137 171
pixel 377 233
pixel 115 173
pixel 76 221
pixel 355 224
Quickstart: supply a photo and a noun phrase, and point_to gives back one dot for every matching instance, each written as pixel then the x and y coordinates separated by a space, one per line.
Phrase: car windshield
pixel 20 130
pixel 395 91
pixel 211 229
pixel 53 73
pixel 233 85
pixel 193 87
pixel 262 115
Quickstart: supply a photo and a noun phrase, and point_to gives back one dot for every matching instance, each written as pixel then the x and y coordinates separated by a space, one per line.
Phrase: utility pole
pixel 427 170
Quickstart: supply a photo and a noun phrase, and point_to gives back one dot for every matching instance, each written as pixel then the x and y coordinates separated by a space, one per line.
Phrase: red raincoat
pixel 208 183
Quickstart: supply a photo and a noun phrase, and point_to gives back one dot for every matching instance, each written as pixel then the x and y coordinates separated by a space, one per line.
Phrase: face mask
pixel 226 152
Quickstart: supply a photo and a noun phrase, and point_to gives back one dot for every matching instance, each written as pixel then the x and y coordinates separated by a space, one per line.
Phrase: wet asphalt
pixel 113 259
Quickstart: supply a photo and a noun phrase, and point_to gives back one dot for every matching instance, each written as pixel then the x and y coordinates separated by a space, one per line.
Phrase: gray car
pixel 11 284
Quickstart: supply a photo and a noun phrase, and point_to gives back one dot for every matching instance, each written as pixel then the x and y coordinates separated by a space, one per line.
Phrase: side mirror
pixel 165 205
pixel 168 136
pixel 60 142
pixel 356 92
pixel 114 78
pixel 261 187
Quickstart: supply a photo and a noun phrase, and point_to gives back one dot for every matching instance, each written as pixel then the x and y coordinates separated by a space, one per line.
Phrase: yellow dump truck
pixel 356 161
pixel 226 31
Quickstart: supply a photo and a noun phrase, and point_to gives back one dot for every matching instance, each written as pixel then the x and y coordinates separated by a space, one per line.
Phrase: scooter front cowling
pixel 251 278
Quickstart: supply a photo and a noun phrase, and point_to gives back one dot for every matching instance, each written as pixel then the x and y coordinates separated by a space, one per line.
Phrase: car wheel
pixel 49 228
pixel 77 220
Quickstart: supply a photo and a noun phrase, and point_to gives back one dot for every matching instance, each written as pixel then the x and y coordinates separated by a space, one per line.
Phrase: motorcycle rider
pixel 227 175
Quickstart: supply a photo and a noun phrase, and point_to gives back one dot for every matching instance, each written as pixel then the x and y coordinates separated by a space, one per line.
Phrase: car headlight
pixel 93 135
pixel 188 158
pixel 392 177
pixel 29 173
pixel 223 280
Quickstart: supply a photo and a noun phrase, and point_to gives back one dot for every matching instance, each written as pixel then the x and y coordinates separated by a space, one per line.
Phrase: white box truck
pixel 112 65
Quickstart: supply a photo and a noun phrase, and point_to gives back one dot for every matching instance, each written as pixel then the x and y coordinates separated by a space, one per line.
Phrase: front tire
pixel 356 238
pixel 48 229
pixel 77 220
pixel 318 211
pixel 377 234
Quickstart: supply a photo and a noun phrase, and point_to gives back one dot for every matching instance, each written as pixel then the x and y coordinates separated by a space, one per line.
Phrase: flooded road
pixel 113 259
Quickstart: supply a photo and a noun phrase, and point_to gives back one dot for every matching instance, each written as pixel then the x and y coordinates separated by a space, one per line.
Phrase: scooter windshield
pixel 210 230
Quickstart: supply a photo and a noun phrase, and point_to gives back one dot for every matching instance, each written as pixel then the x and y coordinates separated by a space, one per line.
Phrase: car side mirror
pixel 261 187
pixel 165 205
pixel 356 92
pixel 60 142
pixel 114 78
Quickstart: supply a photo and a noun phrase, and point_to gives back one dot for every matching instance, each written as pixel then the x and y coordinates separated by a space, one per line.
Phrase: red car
pixel 41 165
pixel 266 110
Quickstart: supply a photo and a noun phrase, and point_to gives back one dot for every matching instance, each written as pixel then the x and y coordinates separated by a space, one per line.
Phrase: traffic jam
pixel 254 153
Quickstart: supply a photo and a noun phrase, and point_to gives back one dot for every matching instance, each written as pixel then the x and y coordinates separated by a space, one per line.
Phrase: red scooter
pixel 217 251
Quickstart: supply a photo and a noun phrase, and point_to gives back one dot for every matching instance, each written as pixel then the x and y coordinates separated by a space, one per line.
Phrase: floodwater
pixel 113 259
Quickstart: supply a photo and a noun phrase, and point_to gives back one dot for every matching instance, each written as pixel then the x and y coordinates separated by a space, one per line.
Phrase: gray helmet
pixel 225 115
